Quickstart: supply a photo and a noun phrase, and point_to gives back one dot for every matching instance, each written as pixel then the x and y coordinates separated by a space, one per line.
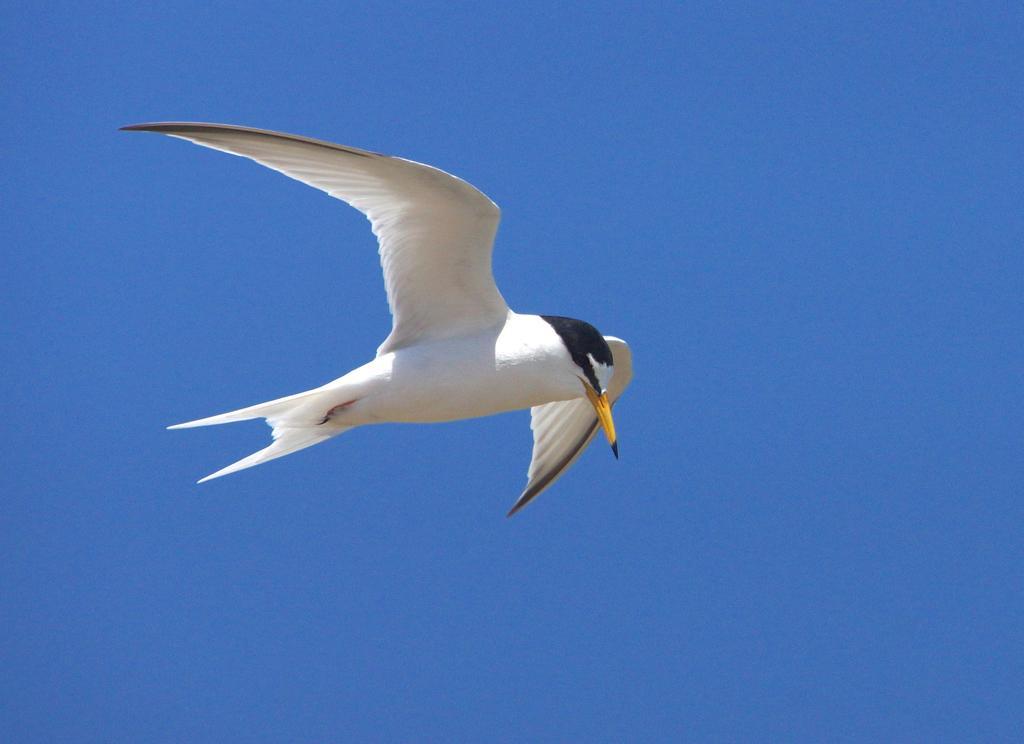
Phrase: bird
pixel 455 350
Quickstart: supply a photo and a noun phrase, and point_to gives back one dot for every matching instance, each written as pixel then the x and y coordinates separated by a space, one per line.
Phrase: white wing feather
pixel 435 230
pixel 563 429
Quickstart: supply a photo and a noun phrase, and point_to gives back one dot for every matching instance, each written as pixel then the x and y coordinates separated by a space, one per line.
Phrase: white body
pixel 519 364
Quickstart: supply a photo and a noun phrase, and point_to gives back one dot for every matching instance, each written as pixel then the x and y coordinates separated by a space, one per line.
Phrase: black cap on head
pixel 584 343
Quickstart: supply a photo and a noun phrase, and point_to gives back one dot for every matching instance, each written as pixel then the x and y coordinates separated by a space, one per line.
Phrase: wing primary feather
pixel 185 127
pixel 563 429
pixel 530 493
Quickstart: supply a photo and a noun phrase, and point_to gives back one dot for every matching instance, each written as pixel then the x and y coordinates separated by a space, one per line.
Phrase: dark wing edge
pixel 184 128
pixel 555 472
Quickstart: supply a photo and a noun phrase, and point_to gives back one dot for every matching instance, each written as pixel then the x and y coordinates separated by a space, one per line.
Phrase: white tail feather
pixel 287 439
pixel 260 410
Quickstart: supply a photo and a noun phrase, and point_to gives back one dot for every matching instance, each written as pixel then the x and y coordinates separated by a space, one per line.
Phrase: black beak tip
pixel 615 449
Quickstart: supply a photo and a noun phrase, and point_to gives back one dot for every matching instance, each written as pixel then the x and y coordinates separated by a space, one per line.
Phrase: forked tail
pixel 294 421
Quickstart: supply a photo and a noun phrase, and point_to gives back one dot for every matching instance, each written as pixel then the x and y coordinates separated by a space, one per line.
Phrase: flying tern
pixel 456 350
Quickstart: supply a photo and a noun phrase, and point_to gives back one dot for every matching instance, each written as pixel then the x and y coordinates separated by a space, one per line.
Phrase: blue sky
pixel 806 220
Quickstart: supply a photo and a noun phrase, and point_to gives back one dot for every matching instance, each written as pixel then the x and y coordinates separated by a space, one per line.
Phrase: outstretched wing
pixel 435 230
pixel 563 429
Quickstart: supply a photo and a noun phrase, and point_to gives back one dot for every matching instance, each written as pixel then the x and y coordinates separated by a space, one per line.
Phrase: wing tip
pixel 157 126
pixel 522 501
pixel 185 128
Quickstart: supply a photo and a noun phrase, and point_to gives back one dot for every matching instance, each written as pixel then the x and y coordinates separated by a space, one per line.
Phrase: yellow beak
pixel 604 415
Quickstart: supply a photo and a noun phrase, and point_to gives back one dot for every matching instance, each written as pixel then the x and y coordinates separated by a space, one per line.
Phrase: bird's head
pixel 593 366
